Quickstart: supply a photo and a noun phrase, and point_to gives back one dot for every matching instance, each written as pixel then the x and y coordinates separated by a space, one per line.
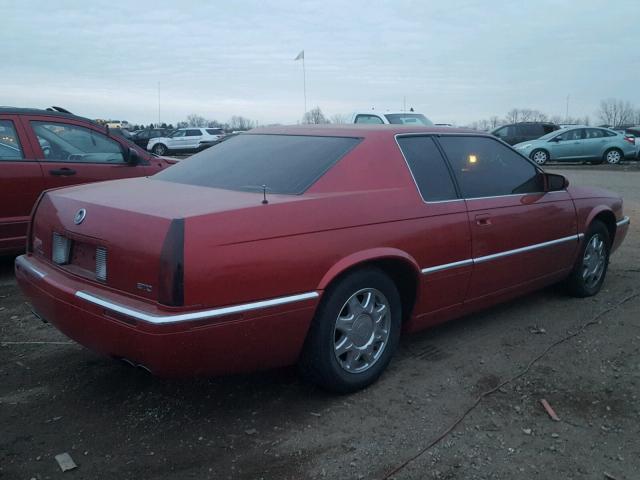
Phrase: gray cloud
pixel 455 61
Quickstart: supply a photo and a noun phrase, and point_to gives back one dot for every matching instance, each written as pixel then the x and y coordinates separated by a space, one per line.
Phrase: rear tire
pixel 354 333
pixel 159 149
pixel 540 156
pixel 590 270
pixel 613 156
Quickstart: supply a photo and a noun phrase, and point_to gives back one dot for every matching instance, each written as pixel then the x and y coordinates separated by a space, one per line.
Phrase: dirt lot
pixel 120 423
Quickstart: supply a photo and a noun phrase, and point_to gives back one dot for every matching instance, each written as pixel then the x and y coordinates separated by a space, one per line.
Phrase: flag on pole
pixel 300 56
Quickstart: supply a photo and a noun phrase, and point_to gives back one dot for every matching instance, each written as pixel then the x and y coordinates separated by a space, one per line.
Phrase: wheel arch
pixel 397 264
pixel 606 216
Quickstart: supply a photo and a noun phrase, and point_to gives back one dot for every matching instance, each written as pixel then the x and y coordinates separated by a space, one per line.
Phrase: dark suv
pixel 523 131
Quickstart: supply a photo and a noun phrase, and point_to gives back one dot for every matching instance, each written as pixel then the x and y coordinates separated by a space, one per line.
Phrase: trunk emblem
pixel 79 218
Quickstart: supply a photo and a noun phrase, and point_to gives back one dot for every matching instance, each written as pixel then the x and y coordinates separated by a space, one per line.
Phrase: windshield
pixel 285 164
pixel 408 119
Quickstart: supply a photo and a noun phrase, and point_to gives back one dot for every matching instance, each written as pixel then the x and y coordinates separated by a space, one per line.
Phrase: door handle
pixel 483 219
pixel 64 172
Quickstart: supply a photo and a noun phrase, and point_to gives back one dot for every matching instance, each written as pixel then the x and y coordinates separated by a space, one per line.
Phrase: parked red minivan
pixel 42 149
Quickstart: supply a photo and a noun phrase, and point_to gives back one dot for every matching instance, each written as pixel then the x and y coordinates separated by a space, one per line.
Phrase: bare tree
pixel 241 123
pixel 339 118
pixel 495 121
pixel 195 120
pixel 615 112
pixel 314 116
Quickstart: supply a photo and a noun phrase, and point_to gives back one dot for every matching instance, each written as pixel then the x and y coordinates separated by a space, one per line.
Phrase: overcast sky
pixel 455 61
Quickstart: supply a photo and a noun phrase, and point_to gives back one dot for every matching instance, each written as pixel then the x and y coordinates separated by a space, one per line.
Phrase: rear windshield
pixel 416 119
pixel 286 164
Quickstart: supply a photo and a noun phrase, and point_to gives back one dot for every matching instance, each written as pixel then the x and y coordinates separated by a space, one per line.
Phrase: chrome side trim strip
pixel 202 314
pixel 507 253
pixel 624 221
pixel 447 266
pixel 528 248
pixel 22 262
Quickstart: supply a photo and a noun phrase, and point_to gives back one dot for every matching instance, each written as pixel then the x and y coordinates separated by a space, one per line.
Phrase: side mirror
pixel 132 157
pixel 555 183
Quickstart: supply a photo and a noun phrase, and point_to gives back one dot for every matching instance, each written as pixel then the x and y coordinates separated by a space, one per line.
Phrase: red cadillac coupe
pixel 309 245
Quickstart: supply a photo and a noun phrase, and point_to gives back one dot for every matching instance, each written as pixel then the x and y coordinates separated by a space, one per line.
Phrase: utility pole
pixel 566 116
pixel 158 104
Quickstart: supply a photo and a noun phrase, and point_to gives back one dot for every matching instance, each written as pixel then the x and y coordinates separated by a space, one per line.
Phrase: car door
pixel 71 152
pixel 445 238
pixel 594 143
pixel 20 183
pixel 567 145
pixel 177 140
pixel 519 233
pixel 192 138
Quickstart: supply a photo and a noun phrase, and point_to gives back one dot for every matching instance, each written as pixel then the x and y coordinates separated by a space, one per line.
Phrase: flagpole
pixel 304 84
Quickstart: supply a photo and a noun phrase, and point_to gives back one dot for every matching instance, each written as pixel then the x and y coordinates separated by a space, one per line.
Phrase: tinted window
pixel 504 132
pixel 10 148
pixel 286 164
pixel 70 143
pixel 486 168
pixel 428 168
pixel 193 133
pixel 531 131
pixel 369 119
pixel 214 131
pixel 408 119
pixel 549 128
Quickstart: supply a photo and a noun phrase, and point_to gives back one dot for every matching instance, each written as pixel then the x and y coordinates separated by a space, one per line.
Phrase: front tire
pixel 354 333
pixel 613 156
pixel 540 156
pixel 590 270
pixel 159 149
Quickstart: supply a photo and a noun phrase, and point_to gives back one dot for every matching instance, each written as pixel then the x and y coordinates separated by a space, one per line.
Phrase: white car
pixel 396 118
pixel 185 140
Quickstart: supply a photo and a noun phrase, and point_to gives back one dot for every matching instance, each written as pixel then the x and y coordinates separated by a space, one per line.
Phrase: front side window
pixel 505 132
pixel 370 119
pixel 64 142
pixel 284 164
pixel 178 133
pixel 428 168
pixel 485 167
pixel 10 148
pixel 575 134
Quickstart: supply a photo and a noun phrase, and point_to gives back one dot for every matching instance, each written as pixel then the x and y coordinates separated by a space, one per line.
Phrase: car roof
pixel 38 111
pixel 359 130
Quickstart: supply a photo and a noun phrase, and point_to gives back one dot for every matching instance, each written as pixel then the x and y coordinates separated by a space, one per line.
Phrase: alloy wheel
pixel 540 157
pixel 613 157
pixel 361 331
pixel 594 261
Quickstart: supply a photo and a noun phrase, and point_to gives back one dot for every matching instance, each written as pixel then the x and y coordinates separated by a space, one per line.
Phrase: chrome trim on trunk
pixel 199 315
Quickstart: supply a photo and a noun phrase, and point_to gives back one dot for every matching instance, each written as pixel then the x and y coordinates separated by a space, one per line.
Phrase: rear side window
pixel 485 167
pixel 594 133
pixel 530 130
pixel 65 142
pixel 549 128
pixel 370 119
pixel 10 148
pixel 214 131
pixel 285 164
pixel 193 133
pixel 428 168
pixel 415 119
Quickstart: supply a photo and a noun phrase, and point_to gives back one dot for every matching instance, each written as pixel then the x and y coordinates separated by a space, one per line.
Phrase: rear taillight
pixel 631 140
pixel 171 277
pixel 60 249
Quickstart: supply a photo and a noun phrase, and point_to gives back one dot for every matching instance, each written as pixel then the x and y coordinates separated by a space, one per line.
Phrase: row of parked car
pixel 181 140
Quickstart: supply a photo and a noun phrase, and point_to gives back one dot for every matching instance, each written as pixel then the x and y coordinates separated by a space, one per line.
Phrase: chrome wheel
pixel 613 156
pixel 159 149
pixel 361 331
pixel 594 261
pixel 540 157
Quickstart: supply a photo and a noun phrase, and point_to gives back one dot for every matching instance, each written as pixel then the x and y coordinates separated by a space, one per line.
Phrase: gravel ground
pixel 118 422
